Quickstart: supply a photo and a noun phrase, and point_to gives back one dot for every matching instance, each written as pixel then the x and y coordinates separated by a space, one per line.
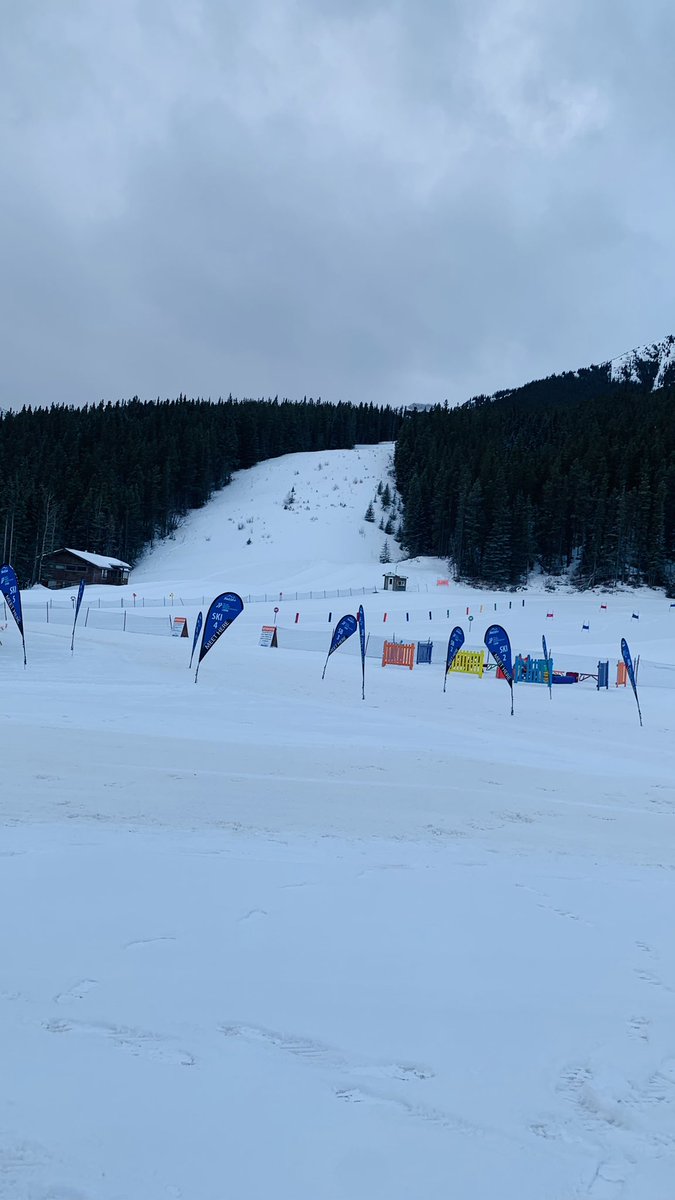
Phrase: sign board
pixel 179 627
pixel 268 636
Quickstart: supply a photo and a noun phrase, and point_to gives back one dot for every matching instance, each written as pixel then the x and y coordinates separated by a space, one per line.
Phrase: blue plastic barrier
pixel 424 650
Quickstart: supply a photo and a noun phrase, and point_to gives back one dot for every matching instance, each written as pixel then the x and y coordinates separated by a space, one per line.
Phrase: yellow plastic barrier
pixel 469 662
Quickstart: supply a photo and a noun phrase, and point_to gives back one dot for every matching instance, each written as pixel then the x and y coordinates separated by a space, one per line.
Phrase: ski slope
pixel 262 938
pixel 319 537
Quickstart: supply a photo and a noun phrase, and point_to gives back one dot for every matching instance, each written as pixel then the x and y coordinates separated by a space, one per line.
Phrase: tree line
pixel 112 478
pixel 574 474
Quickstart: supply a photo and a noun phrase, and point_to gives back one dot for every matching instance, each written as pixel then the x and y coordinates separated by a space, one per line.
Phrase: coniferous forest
pixel 111 478
pixel 575 474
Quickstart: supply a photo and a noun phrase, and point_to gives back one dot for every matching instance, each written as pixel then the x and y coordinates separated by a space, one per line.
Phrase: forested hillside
pixel 112 477
pixel 575 473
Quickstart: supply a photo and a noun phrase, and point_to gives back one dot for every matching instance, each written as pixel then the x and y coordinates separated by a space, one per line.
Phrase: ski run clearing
pixel 263 940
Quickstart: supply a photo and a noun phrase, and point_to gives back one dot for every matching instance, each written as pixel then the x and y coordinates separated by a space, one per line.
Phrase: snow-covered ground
pixel 261 938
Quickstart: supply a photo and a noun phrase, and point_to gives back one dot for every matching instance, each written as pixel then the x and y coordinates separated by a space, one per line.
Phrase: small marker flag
pixel 198 629
pixel 361 618
pixel 455 643
pixel 625 654
pixel 498 644
pixel 9 586
pixel 549 667
pixel 344 629
pixel 223 611
pixel 80 594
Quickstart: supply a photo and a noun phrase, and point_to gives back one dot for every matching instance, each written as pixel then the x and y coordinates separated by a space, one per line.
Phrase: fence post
pixel 48 612
pixel 86 618
pixel 124 626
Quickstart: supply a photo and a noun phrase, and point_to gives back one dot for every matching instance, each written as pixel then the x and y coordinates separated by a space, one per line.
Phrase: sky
pixel 390 202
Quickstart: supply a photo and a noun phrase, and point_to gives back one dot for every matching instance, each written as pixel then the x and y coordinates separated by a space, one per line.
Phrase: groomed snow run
pixel 262 939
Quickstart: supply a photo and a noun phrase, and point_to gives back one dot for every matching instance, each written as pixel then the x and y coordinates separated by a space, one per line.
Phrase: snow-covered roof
pixel 98 560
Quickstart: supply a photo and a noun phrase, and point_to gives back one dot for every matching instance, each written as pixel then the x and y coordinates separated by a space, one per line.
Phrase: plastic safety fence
pixel 119 621
pixel 173 600
pixel 297 638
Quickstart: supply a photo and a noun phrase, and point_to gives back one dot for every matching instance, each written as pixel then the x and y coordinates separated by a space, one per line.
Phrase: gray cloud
pixel 350 199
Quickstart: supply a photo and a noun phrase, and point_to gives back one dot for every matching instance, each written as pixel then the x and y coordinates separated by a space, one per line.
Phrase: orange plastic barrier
pixel 398 654
pixel 621 674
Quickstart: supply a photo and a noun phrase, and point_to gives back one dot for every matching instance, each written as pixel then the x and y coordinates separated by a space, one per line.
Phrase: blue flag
pixel 344 629
pixel 223 611
pixel 80 594
pixel 549 666
pixel 198 629
pixel 9 586
pixel 361 618
pixel 625 654
pixel 499 646
pixel 455 643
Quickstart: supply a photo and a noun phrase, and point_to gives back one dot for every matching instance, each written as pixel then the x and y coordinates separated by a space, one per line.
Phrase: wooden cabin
pixel 65 568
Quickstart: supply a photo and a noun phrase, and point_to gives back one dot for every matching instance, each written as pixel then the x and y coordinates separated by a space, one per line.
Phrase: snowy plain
pixel 263 939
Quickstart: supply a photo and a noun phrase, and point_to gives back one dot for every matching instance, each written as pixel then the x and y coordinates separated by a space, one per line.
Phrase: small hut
pixel 65 568
pixel 394 582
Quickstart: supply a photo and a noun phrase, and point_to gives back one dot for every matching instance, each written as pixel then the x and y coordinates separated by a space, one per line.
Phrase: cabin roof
pixel 97 560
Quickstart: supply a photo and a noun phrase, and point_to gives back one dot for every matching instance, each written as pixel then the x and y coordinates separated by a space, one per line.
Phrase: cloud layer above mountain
pixel 365 201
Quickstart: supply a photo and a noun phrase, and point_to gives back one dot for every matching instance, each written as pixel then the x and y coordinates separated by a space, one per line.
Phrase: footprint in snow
pixel 139 1042
pixel 322 1055
pixel 77 992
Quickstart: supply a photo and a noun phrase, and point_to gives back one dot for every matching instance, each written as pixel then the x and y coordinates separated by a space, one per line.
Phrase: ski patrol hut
pixel 65 568
pixel 394 582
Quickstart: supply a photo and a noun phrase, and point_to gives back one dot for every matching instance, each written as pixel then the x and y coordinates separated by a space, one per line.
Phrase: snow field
pixel 261 938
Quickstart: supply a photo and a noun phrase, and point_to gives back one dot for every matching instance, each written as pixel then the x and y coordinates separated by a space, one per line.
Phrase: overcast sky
pixel 403 201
